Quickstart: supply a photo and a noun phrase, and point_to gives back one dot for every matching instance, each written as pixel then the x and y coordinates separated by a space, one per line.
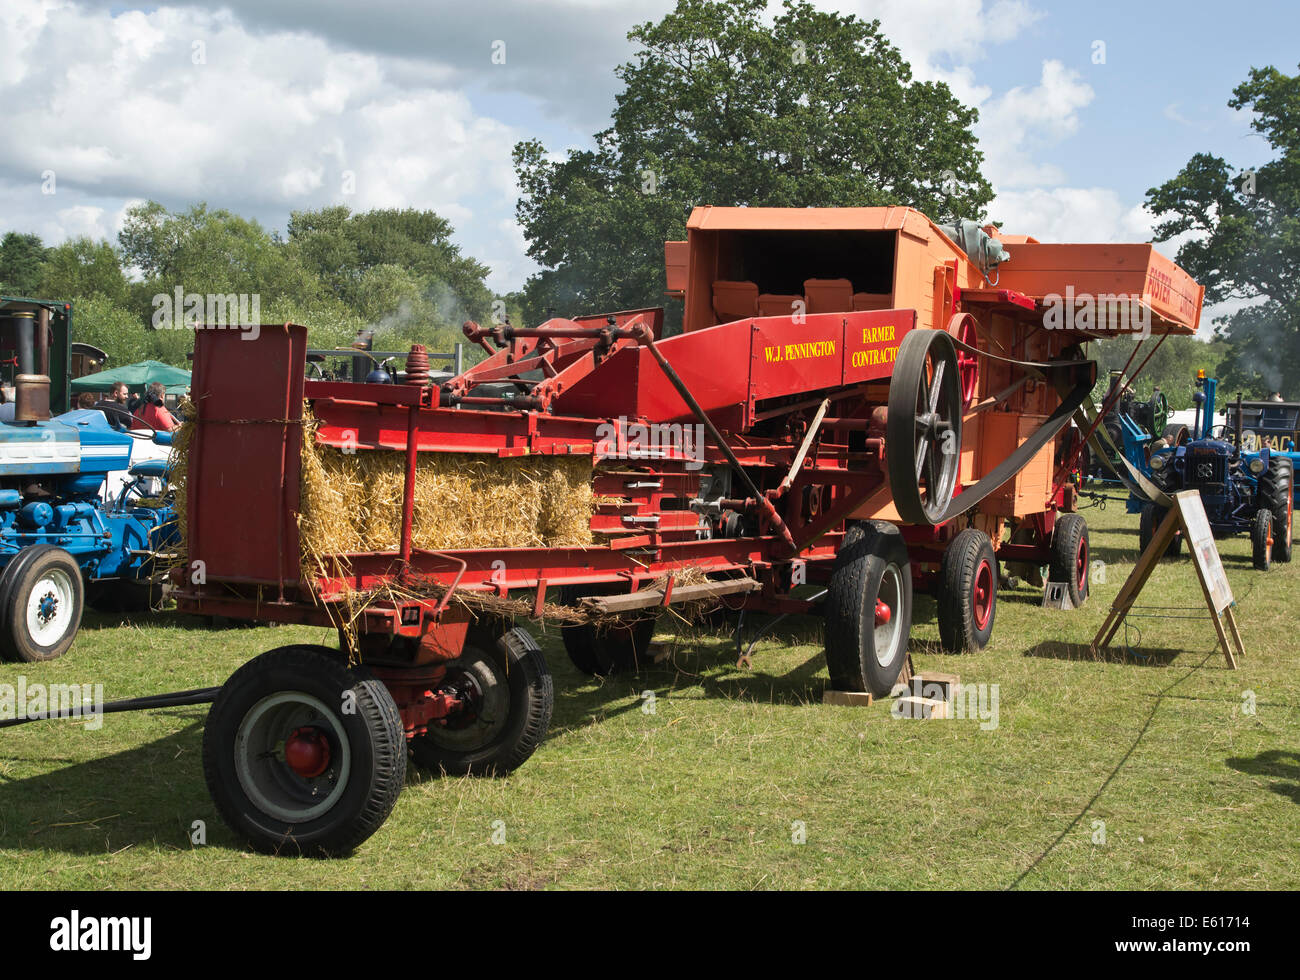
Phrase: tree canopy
pixel 721 107
pixel 1243 243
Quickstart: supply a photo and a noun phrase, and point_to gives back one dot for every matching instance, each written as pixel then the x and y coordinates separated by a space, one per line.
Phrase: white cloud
pixel 1025 119
pixel 273 121
pixel 1071 214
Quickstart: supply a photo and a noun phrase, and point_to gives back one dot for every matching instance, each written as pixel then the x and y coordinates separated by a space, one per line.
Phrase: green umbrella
pixel 136 377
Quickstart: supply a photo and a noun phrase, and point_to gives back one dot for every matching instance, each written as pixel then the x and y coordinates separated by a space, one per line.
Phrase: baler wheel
pixel 1261 539
pixel 967 592
pixel 868 610
pixel 41 601
pixel 304 754
pixel 1149 522
pixel 1071 556
pixel 511 697
pixel 923 429
pixel 599 651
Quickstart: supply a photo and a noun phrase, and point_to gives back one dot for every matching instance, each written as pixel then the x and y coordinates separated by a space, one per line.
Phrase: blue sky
pixel 289 97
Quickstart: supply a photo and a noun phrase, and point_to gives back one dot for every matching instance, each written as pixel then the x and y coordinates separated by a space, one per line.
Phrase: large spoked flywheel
pixel 923 433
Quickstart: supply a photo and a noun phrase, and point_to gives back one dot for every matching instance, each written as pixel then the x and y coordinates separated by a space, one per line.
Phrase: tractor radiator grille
pixel 1206 469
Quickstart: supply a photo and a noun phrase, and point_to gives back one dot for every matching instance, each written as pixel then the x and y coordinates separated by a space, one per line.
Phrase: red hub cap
pixel 1081 564
pixel 883 613
pixel 982 595
pixel 307 752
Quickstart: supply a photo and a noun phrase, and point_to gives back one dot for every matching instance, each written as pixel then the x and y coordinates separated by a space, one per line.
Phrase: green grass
pixel 704 792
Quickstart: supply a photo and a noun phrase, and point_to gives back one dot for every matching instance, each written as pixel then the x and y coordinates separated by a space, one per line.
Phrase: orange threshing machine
pixel 880 405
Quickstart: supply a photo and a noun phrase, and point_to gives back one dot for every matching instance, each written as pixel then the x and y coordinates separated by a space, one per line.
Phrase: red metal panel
pixel 244 458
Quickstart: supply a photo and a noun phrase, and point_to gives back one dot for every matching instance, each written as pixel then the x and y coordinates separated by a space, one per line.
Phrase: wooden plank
pixel 682 593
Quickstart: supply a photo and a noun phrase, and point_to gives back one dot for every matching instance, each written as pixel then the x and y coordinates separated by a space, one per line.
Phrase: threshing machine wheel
pixel 1070 556
pixel 923 431
pixel 868 610
pixel 610 648
pixel 967 592
pixel 1276 491
pixel 1149 522
pixel 41 600
pixel 1261 539
pixel 510 693
pixel 963 327
pixel 303 753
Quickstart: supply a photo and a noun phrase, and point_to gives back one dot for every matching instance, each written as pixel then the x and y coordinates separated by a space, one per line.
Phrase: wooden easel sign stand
pixel 1188 513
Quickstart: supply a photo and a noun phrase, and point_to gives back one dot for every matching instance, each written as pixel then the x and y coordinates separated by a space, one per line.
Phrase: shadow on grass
pixel 167 618
pixel 699 661
pixel 147 795
pixel 1147 657
pixel 1273 764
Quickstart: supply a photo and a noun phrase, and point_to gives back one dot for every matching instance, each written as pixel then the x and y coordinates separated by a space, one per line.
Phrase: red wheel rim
pixel 1081 565
pixel 982 595
pixel 967 363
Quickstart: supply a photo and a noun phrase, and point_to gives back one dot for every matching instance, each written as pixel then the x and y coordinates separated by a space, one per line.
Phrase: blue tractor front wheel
pixel 41 601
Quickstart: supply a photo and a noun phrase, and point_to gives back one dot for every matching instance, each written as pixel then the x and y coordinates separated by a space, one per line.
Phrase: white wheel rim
pixel 887 634
pixel 49 607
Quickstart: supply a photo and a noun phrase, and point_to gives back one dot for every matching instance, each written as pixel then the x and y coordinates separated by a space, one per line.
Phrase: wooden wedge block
pixel 920 708
pixel 847 699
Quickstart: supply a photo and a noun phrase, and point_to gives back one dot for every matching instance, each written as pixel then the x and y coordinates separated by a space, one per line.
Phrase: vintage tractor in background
pixel 1138 428
pixel 60 540
pixel 1250 493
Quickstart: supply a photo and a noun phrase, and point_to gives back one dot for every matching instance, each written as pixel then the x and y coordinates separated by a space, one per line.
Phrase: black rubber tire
pixel 1275 492
pixel 1149 522
pixel 865 554
pixel 376 760
pixel 20 578
pixel 1069 547
pixel 1261 531
pixel 531 699
pixel 622 648
pixel 968 560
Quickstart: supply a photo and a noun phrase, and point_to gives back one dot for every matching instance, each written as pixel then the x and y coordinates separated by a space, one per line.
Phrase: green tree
pixel 1244 243
pixel 387 257
pixel 1172 367
pixel 201 250
pixel 720 107
pixel 81 267
pixel 113 328
pixel 21 258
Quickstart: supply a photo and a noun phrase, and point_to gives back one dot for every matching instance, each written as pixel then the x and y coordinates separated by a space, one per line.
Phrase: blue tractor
pixel 1242 492
pixel 60 541
pixel 1137 429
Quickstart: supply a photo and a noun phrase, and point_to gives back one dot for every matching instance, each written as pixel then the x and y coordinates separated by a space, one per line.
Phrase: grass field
pixel 713 788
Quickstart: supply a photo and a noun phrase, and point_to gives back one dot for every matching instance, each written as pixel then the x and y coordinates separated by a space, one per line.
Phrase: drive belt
pixel 1060 373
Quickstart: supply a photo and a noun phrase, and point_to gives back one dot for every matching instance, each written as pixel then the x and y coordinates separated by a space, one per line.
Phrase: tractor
pixel 1250 493
pixel 61 542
